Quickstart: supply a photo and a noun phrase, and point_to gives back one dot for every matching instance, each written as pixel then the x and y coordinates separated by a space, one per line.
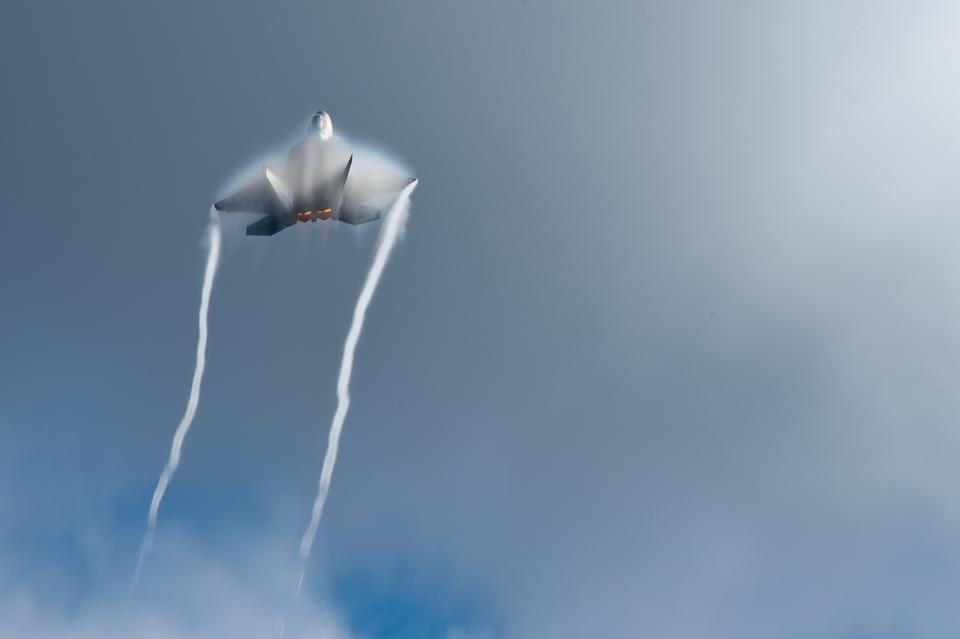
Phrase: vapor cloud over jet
pixel 313 184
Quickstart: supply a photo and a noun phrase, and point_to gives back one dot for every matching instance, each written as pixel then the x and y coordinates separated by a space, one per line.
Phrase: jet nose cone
pixel 218 205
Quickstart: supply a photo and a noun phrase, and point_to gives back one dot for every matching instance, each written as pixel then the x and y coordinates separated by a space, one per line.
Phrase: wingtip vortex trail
pixel 213 240
pixel 392 229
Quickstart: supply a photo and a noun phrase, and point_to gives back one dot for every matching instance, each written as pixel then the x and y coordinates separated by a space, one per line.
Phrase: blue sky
pixel 668 349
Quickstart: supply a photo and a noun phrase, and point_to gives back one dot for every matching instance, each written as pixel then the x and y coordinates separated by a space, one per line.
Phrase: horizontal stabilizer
pixel 269 225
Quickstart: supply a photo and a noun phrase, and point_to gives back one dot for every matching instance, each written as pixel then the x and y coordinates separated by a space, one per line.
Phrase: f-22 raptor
pixel 313 185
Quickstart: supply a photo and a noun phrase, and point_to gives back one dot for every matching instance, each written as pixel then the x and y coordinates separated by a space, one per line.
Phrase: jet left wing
pixel 265 194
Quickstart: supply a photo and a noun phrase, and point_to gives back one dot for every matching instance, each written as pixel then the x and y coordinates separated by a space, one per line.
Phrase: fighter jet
pixel 314 184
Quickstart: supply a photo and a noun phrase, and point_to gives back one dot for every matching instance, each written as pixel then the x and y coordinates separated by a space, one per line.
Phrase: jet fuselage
pixel 312 186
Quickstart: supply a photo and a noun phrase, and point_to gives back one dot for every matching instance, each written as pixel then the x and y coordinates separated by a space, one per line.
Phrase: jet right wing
pixel 358 213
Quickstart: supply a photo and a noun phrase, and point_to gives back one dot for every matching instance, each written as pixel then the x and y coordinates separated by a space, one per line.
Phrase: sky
pixel 668 349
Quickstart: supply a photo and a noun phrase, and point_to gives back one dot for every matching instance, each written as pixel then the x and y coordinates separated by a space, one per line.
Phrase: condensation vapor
pixel 209 273
pixel 393 227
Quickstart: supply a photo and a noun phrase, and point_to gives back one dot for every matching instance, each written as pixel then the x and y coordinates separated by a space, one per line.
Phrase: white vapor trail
pixel 393 226
pixel 213 259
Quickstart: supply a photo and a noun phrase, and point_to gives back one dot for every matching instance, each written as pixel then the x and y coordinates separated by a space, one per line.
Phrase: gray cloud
pixel 679 284
pixel 189 591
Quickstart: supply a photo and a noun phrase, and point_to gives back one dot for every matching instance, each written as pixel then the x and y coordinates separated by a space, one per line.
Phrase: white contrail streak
pixel 393 226
pixel 213 259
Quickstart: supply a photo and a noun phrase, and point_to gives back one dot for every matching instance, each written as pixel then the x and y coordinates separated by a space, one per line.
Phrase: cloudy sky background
pixel 669 350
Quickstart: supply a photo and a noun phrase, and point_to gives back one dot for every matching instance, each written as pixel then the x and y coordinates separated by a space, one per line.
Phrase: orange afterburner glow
pixel 313 216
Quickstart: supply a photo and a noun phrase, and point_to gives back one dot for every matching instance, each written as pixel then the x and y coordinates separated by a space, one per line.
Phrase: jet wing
pixel 358 213
pixel 265 194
